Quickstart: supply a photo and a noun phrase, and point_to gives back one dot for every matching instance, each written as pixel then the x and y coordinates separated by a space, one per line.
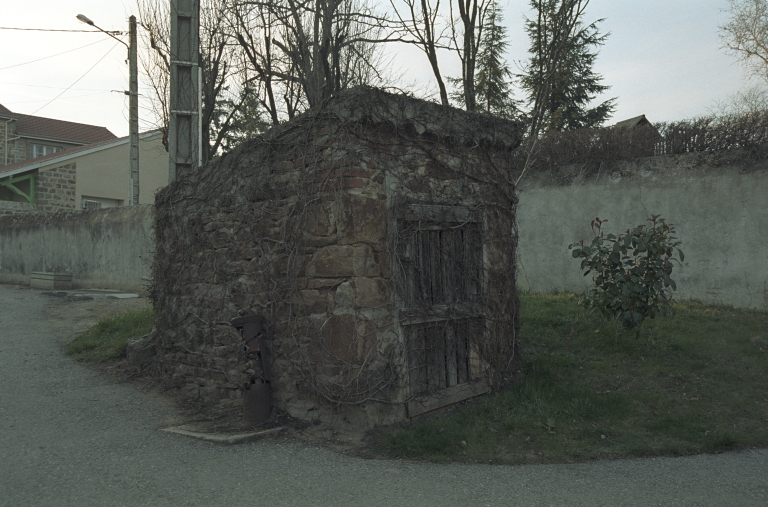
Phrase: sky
pixel 663 58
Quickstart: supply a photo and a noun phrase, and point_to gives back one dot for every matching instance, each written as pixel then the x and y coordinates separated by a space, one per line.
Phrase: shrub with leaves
pixel 631 271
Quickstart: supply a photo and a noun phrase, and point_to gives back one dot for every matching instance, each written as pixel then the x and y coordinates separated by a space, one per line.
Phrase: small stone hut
pixel 376 237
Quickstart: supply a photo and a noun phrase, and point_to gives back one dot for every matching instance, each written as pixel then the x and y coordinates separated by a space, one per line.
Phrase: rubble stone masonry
pixel 55 188
pixel 301 226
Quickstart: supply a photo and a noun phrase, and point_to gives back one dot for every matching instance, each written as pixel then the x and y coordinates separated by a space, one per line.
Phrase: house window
pixel 441 253
pixel 40 150
pixel 90 202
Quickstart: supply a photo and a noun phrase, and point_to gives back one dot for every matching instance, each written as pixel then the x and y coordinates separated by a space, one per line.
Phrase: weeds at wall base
pixel 106 341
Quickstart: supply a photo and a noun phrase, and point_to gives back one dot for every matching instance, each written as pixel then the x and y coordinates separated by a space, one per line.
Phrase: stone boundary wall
pixel 107 248
pixel 718 202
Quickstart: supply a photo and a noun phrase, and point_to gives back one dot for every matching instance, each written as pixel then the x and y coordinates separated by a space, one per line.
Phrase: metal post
pixel 184 113
pixel 133 107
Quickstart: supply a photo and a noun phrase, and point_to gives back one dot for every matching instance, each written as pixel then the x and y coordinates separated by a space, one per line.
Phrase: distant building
pixel 637 121
pixel 25 137
pixel 84 177
pixel 643 135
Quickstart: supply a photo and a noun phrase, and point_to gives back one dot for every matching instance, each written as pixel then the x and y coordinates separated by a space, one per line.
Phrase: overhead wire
pixel 78 79
pixel 73 97
pixel 57 30
pixel 50 87
pixel 57 54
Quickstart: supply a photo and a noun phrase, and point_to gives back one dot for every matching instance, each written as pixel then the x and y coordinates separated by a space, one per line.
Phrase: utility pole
pixel 184 101
pixel 133 103
pixel 133 107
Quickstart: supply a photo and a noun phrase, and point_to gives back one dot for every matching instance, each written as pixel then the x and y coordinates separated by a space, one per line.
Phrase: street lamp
pixel 133 101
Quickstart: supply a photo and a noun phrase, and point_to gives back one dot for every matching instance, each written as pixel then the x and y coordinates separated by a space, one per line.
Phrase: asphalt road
pixel 70 435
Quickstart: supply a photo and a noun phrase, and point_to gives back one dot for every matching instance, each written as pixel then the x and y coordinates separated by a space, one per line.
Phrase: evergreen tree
pixel 559 79
pixel 493 76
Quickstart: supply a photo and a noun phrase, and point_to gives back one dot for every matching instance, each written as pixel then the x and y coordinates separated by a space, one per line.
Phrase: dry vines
pixel 377 236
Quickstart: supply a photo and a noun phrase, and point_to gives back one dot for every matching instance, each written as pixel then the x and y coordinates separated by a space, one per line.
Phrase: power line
pixel 54 30
pixel 57 54
pixel 78 79
pixel 50 87
pixel 73 97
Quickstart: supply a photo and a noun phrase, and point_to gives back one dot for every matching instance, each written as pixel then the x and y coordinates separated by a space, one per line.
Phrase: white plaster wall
pixel 105 173
pixel 107 248
pixel 719 204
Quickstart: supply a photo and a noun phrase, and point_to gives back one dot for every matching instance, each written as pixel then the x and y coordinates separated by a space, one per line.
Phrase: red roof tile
pixel 4 111
pixel 68 151
pixel 58 154
pixel 67 131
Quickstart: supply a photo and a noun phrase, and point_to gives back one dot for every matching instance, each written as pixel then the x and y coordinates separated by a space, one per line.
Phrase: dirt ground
pixel 74 312
pixel 78 435
pixel 79 311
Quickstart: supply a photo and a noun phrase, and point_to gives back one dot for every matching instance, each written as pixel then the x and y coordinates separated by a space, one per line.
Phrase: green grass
pixel 106 340
pixel 694 382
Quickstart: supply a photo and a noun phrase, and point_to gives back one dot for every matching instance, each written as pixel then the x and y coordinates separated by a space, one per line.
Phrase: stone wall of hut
pixel 304 226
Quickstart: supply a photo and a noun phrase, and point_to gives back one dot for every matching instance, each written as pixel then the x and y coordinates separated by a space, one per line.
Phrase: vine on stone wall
pixel 278 227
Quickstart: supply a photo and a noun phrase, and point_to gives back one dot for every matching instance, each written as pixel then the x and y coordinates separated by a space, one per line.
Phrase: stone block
pixel 311 301
pixel 223 351
pixel 353 183
pixel 242 251
pixel 342 261
pixel 339 335
pixel 344 297
pixel 323 283
pixel 319 219
pixel 362 292
pixel 371 292
pixel 362 220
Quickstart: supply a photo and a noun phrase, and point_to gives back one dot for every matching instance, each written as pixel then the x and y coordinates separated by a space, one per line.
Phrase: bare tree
pixel 753 99
pixel 223 91
pixel 253 27
pixel 155 41
pixel 746 35
pixel 418 24
pixel 305 51
pixel 472 14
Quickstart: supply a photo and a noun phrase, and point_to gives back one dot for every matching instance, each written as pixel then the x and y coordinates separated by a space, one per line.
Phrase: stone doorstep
pixel 239 438
pixel 446 397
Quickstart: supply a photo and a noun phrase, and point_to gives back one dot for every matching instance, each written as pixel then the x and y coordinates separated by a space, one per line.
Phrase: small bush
pixel 632 271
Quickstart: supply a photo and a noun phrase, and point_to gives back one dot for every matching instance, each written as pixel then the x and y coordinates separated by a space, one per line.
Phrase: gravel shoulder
pixel 73 435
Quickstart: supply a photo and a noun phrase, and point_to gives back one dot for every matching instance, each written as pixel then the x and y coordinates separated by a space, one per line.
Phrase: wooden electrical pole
pixel 184 101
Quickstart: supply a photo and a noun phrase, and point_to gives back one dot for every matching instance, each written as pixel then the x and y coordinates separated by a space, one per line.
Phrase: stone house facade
pixel 375 237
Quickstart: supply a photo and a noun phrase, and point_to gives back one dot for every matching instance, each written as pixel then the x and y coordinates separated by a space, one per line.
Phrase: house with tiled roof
pixel 52 165
pixel 25 136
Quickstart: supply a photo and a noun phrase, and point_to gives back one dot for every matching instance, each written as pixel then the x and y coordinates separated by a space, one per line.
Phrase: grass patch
pixel 694 382
pixel 106 340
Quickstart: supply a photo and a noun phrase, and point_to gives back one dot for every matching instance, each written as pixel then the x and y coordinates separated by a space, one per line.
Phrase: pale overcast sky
pixel 662 58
